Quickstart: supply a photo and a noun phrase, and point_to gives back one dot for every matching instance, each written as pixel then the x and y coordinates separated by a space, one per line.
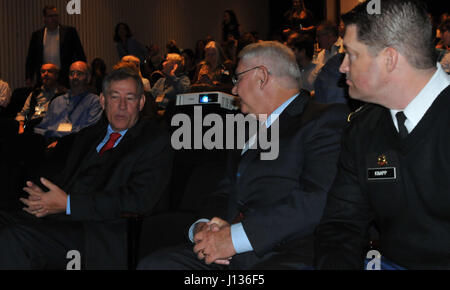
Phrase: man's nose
pixel 344 66
pixel 123 104
pixel 234 90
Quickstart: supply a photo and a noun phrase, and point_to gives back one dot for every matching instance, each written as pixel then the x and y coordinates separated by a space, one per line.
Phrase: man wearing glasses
pixel 54 43
pixel 264 213
pixel 74 110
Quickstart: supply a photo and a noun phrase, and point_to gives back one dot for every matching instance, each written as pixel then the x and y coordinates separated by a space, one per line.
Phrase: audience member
pixel 189 63
pixel 133 60
pixel 98 74
pixel 393 165
pixel 36 105
pixel 299 19
pixel 230 49
pixel 155 56
pixel 330 86
pixel 5 94
pixel 199 51
pixel 172 47
pixel 237 237
pixel 73 111
pixel 211 72
pixel 303 48
pixel 445 62
pixel 230 26
pixel 122 164
pixel 443 47
pixel 329 41
pixel 444 16
pixel 175 81
pixel 55 43
pixel 246 39
pixel 126 44
pixel 66 114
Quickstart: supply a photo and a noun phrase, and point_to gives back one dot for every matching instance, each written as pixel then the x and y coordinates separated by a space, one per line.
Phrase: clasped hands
pixel 213 242
pixel 40 203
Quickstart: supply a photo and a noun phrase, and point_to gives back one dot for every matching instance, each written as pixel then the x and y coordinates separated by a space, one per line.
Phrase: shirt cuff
pixel 68 206
pixel 240 240
pixel 191 229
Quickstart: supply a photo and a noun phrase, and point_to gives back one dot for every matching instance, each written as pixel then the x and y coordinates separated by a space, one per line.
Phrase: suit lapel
pixel 286 120
pixel 81 147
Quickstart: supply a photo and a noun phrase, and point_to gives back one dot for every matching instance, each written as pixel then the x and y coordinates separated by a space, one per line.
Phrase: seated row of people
pixel 306 207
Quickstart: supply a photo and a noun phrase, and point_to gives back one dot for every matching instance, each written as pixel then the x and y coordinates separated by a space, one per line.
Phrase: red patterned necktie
pixel 110 144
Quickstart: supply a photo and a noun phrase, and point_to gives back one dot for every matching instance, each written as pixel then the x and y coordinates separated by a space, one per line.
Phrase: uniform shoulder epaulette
pixel 357 112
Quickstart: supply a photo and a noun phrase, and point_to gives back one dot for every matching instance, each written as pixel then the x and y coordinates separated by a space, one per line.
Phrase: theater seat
pixel 170 228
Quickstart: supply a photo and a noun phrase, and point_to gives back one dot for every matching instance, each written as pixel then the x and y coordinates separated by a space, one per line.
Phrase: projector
pixel 226 101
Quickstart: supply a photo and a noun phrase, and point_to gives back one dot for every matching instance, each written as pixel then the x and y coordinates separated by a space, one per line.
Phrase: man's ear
pixel 391 59
pixel 263 76
pixel 102 100
pixel 142 102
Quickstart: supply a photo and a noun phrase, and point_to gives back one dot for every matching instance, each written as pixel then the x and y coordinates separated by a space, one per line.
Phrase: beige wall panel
pixel 152 21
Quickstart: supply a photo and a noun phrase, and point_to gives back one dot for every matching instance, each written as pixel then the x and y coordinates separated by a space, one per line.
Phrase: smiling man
pixel 394 165
pixel 120 165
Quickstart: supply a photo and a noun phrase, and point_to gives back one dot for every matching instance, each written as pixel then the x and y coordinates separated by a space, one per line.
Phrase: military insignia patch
pixel 382 161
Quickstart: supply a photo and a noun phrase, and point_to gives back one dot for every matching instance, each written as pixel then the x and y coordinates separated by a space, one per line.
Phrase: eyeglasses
pixel 76 72
pixel 235 78
pixel 52 71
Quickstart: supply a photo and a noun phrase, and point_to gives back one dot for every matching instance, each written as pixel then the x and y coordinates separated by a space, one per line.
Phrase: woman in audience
pixel 126 44
pixel 299 19
pixel 212 72
pixel 230 26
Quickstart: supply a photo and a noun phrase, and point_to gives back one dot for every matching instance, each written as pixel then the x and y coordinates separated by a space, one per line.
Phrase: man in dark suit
pixel 55 43
pixel 265 212
pixel 117 166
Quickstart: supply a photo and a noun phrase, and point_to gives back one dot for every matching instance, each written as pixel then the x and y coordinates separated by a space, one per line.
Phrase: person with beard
pixel 66 114
pixel 71 112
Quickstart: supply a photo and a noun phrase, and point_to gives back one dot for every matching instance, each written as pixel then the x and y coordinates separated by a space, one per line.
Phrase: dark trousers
pixel 183 258
pixel 30 243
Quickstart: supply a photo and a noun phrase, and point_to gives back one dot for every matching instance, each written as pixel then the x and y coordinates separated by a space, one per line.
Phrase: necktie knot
pixel 111 141
pixel 401 118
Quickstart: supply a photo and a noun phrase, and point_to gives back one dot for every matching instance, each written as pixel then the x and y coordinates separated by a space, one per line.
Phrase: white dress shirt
pixel 417 108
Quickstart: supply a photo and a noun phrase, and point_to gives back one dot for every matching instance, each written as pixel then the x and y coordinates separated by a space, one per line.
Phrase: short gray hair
pixel 121 74
pixel 281 58
pixel 402 24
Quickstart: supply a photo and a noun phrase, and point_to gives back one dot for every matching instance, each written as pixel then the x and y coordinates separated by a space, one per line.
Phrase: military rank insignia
pixel 382 161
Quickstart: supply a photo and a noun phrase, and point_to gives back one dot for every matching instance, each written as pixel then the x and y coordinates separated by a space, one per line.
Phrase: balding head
pixel 79 75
